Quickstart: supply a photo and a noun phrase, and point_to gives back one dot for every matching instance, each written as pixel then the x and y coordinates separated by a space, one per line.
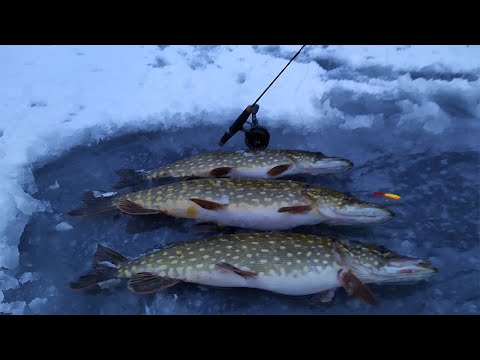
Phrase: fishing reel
pixel 256 136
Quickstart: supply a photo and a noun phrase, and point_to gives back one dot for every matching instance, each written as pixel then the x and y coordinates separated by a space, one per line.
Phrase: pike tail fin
pixel 95 205
pixel 104 268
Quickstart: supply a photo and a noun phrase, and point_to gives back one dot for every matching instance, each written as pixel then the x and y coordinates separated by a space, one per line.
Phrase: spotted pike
pixel 290 264
pixel 255 204
pixel 261 164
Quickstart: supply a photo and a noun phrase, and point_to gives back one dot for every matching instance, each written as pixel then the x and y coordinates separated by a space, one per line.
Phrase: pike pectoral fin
pixel 300 209
pixel 323 297
pixel 146 283
pixel 207 204
pixel 221 171
pixel 354 287
pixel 278 170
pixel 243 273
pixel 131 208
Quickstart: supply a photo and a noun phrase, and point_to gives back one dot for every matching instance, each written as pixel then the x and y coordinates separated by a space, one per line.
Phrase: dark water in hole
pixel 437 218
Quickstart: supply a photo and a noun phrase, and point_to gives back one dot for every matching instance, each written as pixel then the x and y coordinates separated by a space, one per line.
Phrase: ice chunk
pixel 63 226
pixel 358 121
pixel 51 291
pixel 28 276
pixel 7 282
pixel 36 305
pixel 99 194
pixel 27 204
pixel 407 245
pixel 54 186
pixel 108 194
pixel 14 308
pixel 8 255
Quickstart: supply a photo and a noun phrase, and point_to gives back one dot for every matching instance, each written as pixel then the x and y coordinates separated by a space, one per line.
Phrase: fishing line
pixel 268 87
pixel 298 87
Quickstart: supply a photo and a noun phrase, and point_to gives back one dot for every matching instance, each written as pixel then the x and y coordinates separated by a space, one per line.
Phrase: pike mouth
pixel 374 215
pixel 337 165
pixel 403 270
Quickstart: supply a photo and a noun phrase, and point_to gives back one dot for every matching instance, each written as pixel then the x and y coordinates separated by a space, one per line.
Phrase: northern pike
pixel 255 204
pixel 290 264
pixel 254 164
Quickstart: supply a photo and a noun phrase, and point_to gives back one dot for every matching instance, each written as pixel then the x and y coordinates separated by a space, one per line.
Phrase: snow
pixel 53 98
pixel 63 226
pixel 435 57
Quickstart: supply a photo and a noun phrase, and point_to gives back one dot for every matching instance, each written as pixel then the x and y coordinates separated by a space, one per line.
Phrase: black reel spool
pixel 257 137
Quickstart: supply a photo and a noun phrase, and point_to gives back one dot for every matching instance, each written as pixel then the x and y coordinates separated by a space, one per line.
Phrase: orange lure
pixel 388 195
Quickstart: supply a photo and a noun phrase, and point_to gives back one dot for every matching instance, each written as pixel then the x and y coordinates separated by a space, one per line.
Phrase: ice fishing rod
pixel 256 137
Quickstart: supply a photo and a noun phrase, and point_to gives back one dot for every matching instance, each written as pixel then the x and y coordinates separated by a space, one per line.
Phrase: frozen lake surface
pixel 437 218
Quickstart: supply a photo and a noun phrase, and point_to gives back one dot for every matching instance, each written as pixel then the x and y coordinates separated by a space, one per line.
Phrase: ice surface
pixel 406 115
